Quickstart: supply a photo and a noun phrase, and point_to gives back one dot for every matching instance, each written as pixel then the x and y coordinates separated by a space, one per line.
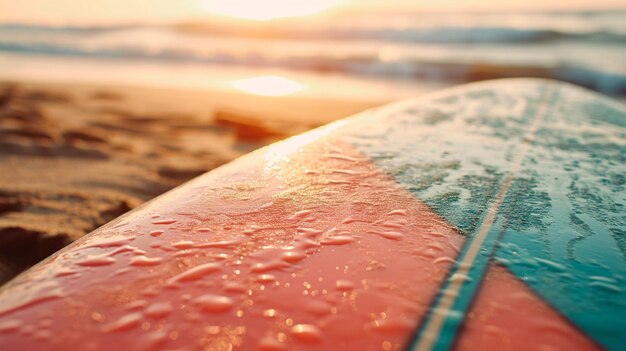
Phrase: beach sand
pixel 73 157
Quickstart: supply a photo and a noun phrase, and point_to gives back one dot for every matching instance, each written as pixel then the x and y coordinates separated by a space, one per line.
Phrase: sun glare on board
pixel 268 86
pixel 267 10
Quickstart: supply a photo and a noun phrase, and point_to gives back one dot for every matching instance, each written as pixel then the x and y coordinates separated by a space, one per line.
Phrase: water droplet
pixel 300 214
pixel 249 232
pixel 268 266
pixel 145 261
pixel 387 346
pixel 98 317
pixel 397 212
pixel 95 261
pixel 265 278
pixel 270 313
pixel 113 241
pixel 293 256
pixel 214 303
pixel 10 326
pixel 64 272
pixel 121 224
pixel 309 232
pixel 122 271
pixel 194 273
pixel 164 221
pixel 304 243
pixel 125 248
pixel 306 333
pixel 137 304
pixel 436 247
pixel 551 264
pixel 127 322
pixel 266 205
pixel 388 234
pixel 352 220
pixel 183 244
pixel 157 232
pixel 443 259
pixel 338 240
pixel 159 310
pixel 602 279
pixel 344 285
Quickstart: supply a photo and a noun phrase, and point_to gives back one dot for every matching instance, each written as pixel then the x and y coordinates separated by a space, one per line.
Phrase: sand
pixel 73 157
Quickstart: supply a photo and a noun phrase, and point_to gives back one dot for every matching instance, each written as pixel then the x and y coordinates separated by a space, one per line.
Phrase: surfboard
pixel 484 217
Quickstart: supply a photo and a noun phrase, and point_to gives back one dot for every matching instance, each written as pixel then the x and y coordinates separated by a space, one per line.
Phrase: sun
pixel 267 10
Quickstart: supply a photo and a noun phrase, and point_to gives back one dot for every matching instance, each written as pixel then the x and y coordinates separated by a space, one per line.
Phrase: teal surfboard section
pixel 565 217
pixel 560 222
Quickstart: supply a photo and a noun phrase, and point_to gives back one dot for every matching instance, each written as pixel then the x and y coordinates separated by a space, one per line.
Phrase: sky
pixel 108 11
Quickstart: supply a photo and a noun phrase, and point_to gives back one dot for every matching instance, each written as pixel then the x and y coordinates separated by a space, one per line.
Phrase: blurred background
pixel 105 104
pixel 349 49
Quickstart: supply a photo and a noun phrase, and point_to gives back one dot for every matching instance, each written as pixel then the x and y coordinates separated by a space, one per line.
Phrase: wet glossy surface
pixel 322 241
pixel 533 173
pixel 269 258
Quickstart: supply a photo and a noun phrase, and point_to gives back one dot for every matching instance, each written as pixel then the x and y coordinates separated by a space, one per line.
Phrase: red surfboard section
pixel 507 315
pixel 312 249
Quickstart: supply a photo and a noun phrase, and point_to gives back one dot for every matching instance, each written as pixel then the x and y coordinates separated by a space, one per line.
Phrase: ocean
pixel 390 54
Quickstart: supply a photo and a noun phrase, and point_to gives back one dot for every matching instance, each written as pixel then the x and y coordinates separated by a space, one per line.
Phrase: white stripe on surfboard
pixel 449 295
